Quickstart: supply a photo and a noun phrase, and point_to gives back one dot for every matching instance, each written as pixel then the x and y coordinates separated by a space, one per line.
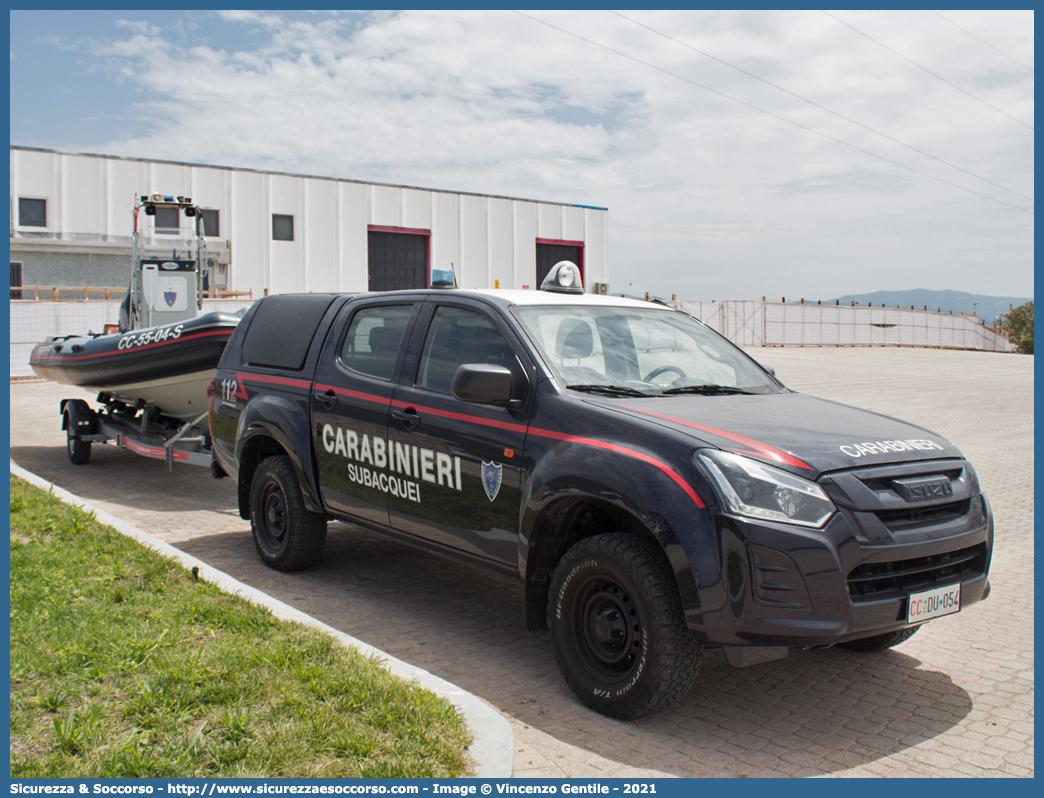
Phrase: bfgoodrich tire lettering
pixel 287 535
pixel 617 627
pixel 868 645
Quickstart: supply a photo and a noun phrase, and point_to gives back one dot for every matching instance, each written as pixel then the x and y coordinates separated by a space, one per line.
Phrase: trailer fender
pixel 78 416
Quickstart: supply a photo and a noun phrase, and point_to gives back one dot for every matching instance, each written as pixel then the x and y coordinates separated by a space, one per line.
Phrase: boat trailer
pixel 139 428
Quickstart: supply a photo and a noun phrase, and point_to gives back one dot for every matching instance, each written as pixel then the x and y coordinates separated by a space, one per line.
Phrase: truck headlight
pixel 756 490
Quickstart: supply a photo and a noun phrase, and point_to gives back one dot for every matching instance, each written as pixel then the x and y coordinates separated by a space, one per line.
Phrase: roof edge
pixel 307 176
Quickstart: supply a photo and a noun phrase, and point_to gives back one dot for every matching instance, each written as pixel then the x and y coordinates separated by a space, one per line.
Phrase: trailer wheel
pixel 870 645
pixel 617 627
pixel 288 536
pixel 78 449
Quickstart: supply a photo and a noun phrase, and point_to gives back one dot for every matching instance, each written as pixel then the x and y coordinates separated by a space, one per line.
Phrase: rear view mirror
pixel 482 383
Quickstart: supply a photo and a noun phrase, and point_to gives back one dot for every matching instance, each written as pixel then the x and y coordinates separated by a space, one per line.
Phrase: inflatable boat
pixel 166 367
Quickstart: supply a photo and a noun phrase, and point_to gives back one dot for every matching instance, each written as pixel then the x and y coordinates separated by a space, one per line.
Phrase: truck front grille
pixel 882 580
pixel 908 518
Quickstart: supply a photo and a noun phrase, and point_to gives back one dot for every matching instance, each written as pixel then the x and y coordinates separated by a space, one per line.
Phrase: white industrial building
pixel 268 232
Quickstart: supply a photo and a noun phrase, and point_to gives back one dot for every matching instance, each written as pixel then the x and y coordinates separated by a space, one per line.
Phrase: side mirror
pixel 482 384
pixel 769 369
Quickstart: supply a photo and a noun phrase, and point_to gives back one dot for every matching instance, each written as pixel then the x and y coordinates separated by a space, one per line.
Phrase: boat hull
pixel 167 367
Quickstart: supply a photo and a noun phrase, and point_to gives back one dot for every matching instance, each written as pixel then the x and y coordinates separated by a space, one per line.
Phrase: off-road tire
pixel 78 449
pixel 617 627
pixel 868 645
pixel 288 536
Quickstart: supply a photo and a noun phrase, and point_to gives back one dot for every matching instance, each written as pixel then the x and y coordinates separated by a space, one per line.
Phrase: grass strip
pixel 123 664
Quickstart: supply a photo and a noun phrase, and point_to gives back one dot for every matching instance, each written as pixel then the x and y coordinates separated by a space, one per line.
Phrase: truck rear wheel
pixel 868 645
pixel 617 627
pixel 288 536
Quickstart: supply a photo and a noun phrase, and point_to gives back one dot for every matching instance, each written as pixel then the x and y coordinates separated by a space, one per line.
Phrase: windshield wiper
pixel 609 390
pixel 706 389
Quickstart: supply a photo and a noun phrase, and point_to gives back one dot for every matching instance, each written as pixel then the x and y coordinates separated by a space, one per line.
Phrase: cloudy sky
pixel 741 154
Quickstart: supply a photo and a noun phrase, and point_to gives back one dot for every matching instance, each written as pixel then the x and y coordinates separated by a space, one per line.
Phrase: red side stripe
pixel 242 379
pixel 756 447
pixel 362 397
pixel 485 422
pixel 154 451
pixel 133 350
pixel 544 433
pixel 505 425
pixel 272 380
pixel 561 436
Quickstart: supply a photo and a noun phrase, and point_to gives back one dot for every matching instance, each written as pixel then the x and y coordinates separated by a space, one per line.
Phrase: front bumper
pixel 777 585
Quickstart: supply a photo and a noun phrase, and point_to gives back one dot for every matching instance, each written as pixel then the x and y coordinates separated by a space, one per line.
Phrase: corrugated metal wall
pixel 486 238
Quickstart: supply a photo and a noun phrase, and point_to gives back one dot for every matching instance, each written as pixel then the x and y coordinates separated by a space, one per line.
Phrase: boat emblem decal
pixel 492 475
pixel 170 295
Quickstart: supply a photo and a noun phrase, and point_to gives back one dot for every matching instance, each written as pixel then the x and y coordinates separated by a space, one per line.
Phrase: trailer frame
pixel 141 429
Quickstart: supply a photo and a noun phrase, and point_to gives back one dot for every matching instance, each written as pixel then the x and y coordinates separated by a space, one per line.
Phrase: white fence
pixel 760 323
pixel 749 323
pixel 33 322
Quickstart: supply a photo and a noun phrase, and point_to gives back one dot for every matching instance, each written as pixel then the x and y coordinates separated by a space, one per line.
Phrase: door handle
pixel 329 398
pixel 408 417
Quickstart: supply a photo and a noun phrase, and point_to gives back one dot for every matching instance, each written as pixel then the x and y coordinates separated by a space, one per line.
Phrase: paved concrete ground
pixel 954 700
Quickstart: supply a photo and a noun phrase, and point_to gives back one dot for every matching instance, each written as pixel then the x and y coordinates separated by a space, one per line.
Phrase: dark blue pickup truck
pixel 656 490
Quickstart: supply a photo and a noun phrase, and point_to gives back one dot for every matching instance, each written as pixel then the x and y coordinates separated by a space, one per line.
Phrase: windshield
pixel 630 351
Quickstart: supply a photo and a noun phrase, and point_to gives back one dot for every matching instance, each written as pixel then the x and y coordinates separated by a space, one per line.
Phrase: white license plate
pixel 933 603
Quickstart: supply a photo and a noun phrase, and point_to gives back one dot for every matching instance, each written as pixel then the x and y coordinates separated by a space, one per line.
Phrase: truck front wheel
pixel 618 629
pixel 288 536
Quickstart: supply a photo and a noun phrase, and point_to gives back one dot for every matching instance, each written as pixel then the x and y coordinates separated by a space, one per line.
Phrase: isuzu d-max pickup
pixel 655 489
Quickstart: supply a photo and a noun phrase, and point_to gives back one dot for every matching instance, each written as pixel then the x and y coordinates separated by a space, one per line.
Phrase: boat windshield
pixel 170 242
pixel 626 351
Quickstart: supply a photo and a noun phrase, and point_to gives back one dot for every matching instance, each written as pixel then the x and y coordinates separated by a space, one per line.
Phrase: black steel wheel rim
pixel 274 519
pixel 607 629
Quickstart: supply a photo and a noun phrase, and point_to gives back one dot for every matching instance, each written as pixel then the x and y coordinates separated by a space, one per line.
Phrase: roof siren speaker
pixel 564 278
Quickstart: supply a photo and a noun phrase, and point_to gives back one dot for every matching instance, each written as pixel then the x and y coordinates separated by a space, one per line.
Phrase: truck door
pixel 467 460
pixel 351 398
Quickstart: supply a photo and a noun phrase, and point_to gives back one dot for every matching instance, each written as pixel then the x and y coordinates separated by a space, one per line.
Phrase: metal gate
pixel 397 260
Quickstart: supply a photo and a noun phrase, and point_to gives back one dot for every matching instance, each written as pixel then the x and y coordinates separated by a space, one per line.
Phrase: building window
pixel 32 212
pixel 211 223
pixel 282 227
pixel 167 221
pixel 16 280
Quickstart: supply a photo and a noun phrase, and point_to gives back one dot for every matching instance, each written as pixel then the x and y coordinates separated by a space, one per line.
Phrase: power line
pixel 821 107
pixel 775 116
pixel 925 69
pixel 940 16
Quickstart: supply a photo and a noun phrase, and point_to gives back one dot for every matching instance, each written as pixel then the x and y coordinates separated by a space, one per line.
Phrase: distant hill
pixel 988 307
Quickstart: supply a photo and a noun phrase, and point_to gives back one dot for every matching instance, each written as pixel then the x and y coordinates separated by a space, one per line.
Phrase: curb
pixel 492 750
